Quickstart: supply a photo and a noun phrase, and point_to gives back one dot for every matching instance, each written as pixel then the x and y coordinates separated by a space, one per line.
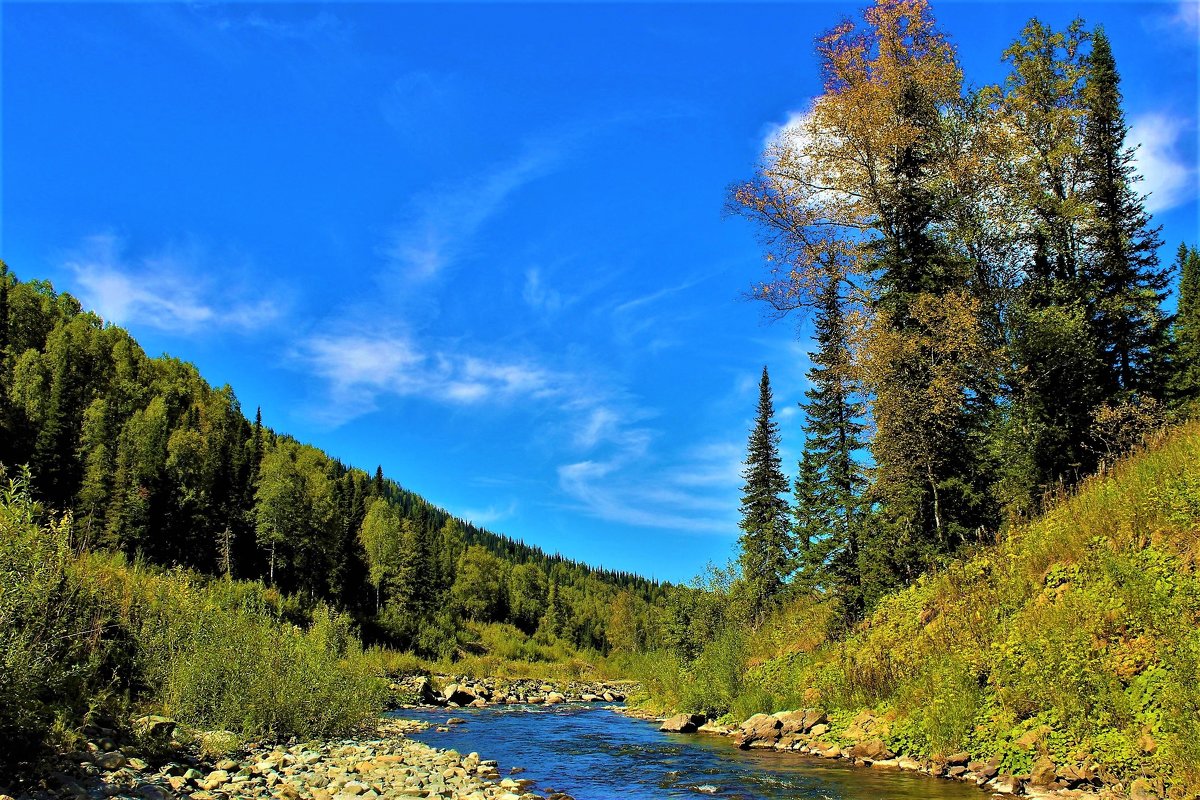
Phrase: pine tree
pixel 831 481
pixel 1124 284
pixel 765 542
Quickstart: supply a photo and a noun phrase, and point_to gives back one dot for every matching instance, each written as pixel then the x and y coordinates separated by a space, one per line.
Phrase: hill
pixel 155 463
pixel 1072 643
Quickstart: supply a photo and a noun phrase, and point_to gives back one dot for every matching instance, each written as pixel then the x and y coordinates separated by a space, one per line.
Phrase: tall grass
pixel 1082 626
pixel 82 634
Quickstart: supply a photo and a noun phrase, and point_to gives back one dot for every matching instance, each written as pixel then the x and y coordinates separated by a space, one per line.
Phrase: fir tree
pixel 1185 379
pixel 831 482
pixel 765 541
pixel 813 524
pixel 1124 284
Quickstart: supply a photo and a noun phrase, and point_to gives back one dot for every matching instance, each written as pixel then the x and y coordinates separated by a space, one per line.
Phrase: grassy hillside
pixel 1076 636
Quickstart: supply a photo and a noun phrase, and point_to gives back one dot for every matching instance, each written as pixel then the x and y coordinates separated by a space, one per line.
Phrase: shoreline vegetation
pixel 1062 658
pixel 206 650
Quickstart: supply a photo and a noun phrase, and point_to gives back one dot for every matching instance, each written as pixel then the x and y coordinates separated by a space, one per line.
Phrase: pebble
pixel 387 766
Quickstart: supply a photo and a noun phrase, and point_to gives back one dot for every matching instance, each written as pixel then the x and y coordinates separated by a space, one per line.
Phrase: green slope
pixel 1076 637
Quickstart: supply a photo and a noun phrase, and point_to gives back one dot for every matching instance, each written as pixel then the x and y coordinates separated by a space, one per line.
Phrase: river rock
pixel 1043 773
pixel 871 750
pixel 826 750
pixel 1142 789
pixel 110 761
pixel 760 730
pixel 154 727
pixel 459 695
pixel 1007 784
pixel 683 723
pixel 554 697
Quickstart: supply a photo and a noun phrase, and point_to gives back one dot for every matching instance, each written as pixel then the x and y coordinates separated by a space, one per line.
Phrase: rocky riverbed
pixel 385 765
pixel 457 691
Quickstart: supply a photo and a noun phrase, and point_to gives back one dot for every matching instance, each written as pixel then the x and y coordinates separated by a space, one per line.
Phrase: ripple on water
pixel 596 754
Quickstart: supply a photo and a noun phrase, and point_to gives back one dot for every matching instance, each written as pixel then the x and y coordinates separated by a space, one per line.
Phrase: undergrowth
pixel 86 637
pixel 1076 636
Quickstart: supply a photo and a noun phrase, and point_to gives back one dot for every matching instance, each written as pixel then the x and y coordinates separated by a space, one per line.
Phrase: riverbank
pixel 457 691
pixel 809 732
pixel 384 764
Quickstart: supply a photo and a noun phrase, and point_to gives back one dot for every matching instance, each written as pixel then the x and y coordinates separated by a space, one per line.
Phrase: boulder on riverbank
pixel 785 728
pixel 683 723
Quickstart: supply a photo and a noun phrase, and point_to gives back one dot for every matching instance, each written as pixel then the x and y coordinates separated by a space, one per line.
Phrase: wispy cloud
pixel 322 26
pixel 490 515
pixel 442 225
pixel 538 296
pixel 161 289
pixel 360 368
pixel 1169 176
pixel 1186 18
pixel 693 496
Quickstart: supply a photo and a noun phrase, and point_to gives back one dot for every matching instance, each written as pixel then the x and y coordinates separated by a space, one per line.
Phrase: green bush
pixel 717 675
pixel 50 645
pixel 81 633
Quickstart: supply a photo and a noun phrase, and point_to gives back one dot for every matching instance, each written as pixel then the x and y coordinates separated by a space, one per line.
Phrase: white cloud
pixel 538 296
pixel 695 495
pixel 443 223
pixel 1169 177
pixel 777 132
pixel 162 290
pixel 1187 15
pixel 360 368
pixel 484 517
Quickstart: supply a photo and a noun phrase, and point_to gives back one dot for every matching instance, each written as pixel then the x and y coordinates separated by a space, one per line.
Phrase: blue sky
pixel 481 245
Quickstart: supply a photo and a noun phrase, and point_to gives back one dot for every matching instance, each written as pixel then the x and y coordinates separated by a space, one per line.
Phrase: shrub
pixel 80 633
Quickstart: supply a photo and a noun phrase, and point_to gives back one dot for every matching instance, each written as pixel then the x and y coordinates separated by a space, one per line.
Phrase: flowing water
pixel 595 754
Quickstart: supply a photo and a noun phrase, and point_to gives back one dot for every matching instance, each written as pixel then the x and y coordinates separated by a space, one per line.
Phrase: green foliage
pixel 83 633
pixel 1077 636
pixel 477 589
pixel 715 678
pixel 50 643
pixel 156 464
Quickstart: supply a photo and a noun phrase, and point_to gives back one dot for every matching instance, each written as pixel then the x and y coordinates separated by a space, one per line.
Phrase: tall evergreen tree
pixel 1185 378
pixel 1125 286
pixel 831 481
pixel 765 542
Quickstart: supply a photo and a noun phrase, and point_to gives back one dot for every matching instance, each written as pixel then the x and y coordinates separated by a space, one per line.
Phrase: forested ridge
pixel 153 462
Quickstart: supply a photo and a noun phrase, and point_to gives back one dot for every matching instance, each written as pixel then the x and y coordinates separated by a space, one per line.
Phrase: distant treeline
pixel 154 462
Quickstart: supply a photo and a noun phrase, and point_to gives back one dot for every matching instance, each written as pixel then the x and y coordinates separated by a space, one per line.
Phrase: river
pixel 596 754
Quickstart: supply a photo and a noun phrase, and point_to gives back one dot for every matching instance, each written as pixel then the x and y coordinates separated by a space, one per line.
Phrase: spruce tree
pixel 1185 378
pixel 765 542
pixel 1124 284
pixel 831 481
